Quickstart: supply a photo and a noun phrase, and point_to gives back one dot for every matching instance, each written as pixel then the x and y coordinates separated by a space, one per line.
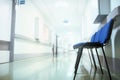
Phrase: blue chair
pixel 98 40
pixel 88 45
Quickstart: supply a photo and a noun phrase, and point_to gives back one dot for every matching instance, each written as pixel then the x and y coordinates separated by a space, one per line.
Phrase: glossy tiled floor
pixel 49 68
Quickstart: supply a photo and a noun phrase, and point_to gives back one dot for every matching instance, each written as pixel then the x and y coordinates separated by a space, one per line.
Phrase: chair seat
pixel 88 45
pixel 79 45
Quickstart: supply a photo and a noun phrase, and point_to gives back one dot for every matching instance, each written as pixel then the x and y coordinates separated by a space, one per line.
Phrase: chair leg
pixel 93 59
pixel 99 60
pixel 79 54
pixel 106 63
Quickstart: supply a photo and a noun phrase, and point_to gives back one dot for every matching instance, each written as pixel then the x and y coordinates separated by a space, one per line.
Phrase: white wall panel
pixel 5 19
pixel 4 56
pixel 5 28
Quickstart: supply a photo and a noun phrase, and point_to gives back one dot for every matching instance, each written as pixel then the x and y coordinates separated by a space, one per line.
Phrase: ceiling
pixel 63 16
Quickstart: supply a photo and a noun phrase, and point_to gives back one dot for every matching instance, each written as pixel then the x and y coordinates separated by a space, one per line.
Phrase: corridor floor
pixel 49 68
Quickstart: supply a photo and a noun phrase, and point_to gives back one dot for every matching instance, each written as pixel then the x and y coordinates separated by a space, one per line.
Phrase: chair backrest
pixel 96 39
pixel 101 36
pixel 93 38
pixel 104 34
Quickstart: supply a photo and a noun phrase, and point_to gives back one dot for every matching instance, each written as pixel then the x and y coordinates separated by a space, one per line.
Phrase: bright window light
pixel 61 4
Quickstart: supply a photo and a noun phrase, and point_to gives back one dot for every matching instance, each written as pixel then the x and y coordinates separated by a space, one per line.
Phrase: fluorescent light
pixel 65 21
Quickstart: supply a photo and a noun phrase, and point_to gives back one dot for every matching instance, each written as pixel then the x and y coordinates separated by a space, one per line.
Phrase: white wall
pixel 114 3
pixel 25 19
pixel 116 32
pixel 4 56
pixel 28 19
pixel 91 13
pixel 5 26
pixel 5 19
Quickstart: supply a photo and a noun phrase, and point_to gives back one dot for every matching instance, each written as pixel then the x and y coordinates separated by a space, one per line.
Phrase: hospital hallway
pixel 50 68
pixel 60 40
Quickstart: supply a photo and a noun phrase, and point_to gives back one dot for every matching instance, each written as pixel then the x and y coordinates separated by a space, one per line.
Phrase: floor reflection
pixel 95 74
pixel 49 68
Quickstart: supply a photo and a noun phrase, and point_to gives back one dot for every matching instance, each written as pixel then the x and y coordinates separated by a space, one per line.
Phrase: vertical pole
pixel 56 45
pixel 53 50
pixel 11 45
